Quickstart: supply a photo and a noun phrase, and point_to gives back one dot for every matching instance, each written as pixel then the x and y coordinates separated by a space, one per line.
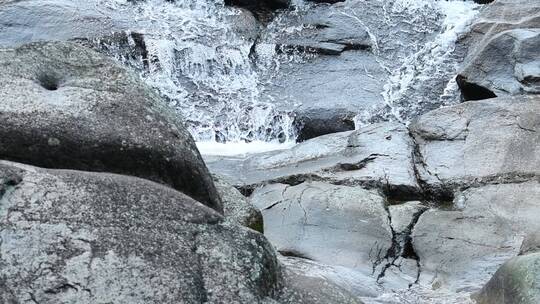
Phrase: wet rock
pixel 236 207
pixel 315 123
pixel 378 156
pixel 516 282
pixel 502 48
pixel 479 142
pixel 52 20
pixel 126 47
pixel 83 111
pixel 506 65
pixel 81 237
pixel 459 247
pixel 322 30
pixel 335 225
pixel 261 9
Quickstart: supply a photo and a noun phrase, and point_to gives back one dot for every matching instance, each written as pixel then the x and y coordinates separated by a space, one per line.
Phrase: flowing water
pixel 202 61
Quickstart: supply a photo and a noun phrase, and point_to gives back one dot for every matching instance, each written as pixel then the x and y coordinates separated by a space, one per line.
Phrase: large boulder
pixel 462 244
pixel 28 21
pixel 335 225
pixel 479 142
pixel 502 51
pixel 516 282
pixel 83 111
pixel 342 231
pixel 377 156
pixel 81 237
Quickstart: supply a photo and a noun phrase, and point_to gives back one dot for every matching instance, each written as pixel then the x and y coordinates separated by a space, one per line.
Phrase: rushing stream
pixel 202 58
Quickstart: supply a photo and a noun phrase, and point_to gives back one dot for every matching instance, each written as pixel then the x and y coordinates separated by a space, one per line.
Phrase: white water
pixel 201 61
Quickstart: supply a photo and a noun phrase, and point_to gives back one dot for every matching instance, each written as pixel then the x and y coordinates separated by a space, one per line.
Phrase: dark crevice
pixel 263 10
pixel 49 82
pixel 472 91
pixel 9 182
pixel 402 246
pixel 430 193
pixel 295 254
pixel 61 288
pixel 199 279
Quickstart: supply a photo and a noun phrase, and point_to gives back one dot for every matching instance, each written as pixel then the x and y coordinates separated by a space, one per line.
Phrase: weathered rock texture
pixel 28 21
pixel 83 111
pixel 80 237
pixel 236 207
pixel 378 156
pixel 516 282
pixel 503 51
pixel 336 225
pixel 480 142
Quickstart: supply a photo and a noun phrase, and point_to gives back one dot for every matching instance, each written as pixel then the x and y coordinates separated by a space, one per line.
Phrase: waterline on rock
pixel 239 148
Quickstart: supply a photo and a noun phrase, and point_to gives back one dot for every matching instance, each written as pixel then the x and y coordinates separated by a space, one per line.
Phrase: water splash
pixel 433 61
pixel 210 61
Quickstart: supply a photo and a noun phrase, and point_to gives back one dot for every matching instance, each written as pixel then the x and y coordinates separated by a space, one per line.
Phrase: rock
pixel 502 48
pixel 83 111
pixel 82 237
pixel 516 282
pixel 315 123
pixel 403 215
pixel 326 1
pixel 236 208
pixel 479 142
pixel 336 62
pixel 349 281
pixel 322 29
pixel 305 287
pixel 334 225
pixel 126 47
pixel 506 65
pixel 28 21
pixel 530 244
pixel 377 156
pixel 262 9
pixel 459 247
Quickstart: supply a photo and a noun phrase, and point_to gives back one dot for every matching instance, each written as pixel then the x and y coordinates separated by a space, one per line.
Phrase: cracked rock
pixel 461 246
pixel 330 224
pixel 378 156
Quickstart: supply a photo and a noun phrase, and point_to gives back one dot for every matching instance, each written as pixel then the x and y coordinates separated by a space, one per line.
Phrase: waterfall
pixel 209 61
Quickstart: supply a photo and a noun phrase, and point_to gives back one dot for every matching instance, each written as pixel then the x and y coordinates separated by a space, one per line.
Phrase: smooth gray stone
pixel 80 110
pixel 377 156
pixel 26 21
pixel 502 48
pixel 479 142
pixel 306 285
pixel 334 225
pixel 460 247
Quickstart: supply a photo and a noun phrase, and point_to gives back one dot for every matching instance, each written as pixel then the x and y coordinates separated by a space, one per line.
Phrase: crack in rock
pixel 402 246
